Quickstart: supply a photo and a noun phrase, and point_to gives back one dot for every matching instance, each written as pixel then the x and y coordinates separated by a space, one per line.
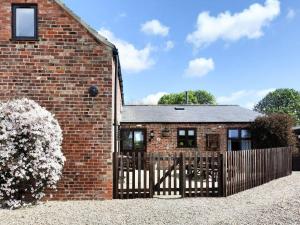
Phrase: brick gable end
pixel 56 71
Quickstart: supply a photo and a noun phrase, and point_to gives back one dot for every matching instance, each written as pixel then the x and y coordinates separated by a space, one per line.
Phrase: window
pixel 239 139
pixel 24 22
pixel 212 142
pixel 133 140
pixel 186 138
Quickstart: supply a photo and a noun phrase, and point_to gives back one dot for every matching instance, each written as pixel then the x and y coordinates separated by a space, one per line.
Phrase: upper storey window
pixel 24 22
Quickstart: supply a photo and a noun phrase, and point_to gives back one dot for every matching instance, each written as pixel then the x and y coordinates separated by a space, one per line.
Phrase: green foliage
pixel 281 101
pixel 274 130
pixel 195 97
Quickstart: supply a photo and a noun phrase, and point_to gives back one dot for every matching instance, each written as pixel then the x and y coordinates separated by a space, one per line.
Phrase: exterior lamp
pixel 151 135
pixel 93 91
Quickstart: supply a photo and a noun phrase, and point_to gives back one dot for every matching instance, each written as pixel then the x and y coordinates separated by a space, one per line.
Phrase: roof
pixel 97 37
pixel 187 114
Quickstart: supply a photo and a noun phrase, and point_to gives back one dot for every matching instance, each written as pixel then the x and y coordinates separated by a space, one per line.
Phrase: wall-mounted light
pixel 152 135
pixel 93 91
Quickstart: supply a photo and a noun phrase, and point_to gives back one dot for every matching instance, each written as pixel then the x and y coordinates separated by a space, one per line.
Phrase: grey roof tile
pixel 190 114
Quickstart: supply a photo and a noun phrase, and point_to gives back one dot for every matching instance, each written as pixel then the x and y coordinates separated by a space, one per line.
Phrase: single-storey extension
pixel 166 128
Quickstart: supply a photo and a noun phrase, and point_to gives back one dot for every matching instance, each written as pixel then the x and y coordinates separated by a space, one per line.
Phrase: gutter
pixel 118 75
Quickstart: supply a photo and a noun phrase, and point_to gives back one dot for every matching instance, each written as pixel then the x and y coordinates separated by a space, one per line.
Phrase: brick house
pixel 51 56
pixel 185 127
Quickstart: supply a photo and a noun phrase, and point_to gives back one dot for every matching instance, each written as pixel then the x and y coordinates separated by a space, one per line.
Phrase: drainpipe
pixel 116 60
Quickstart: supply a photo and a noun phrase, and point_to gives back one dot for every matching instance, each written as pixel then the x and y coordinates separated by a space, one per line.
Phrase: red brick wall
pixel 57 71
pixel 167 144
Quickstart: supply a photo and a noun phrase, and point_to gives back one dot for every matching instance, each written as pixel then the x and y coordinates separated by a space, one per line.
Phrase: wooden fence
pixel 251 168
pixel 196 174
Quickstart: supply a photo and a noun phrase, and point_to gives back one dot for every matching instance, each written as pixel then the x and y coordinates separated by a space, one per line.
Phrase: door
pixel 212 142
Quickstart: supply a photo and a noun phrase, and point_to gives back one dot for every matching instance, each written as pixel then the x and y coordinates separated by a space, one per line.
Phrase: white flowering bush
pixel 31 160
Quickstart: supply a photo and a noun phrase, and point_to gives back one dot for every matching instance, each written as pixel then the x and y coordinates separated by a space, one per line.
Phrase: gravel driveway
pixel 277 202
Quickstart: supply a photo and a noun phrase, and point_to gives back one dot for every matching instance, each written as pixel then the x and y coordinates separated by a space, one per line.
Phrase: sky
pixel 237 50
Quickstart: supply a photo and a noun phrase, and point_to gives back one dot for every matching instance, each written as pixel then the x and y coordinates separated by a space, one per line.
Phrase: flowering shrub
pixel 31 159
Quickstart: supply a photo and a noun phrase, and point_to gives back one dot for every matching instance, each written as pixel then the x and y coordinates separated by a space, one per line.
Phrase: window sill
pixel 187 147
pixel 24 39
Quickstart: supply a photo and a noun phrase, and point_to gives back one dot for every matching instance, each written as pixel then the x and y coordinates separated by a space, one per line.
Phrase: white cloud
pixel 291 14
pixel 199 67
pixel 246 98
pixel 231 27
pixel 169 45
pixel 232 98
pixel 263 93
pixel 154 27
pixel 133 60
pixel 150 99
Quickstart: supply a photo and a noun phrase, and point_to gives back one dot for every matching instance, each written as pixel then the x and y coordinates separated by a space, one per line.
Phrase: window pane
pixel 181 143
pixel 181 132
pixel 229 145
pixel 25 22
pixel 127 140
pixel 235 145
pixel 233 133
pixel 138 140
pixel 246 133
pixel 191 133
pixel 246 144
pixel 191 143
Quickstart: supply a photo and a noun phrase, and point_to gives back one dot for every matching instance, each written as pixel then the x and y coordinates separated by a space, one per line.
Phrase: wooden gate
pixel 145 175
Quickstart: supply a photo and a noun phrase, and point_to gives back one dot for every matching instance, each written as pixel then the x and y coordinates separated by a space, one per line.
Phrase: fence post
pixel 151 176
pixel 182 175
pixel 223 176
pixel 115 174
pixel 290 155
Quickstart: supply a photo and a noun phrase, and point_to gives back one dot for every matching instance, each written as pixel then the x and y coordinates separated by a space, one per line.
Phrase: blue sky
pixel 237 50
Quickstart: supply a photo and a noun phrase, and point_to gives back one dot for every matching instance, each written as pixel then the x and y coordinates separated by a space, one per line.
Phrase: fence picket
pixel 139 174
pixel 190 176
pixel 122 176
pixel 213 178
pixel 207 174
pixel 127 175
pixel 158 173
pixel 170 176
pixel 175 173
pixel 151 176
pixel 144 159
pixel 133 174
